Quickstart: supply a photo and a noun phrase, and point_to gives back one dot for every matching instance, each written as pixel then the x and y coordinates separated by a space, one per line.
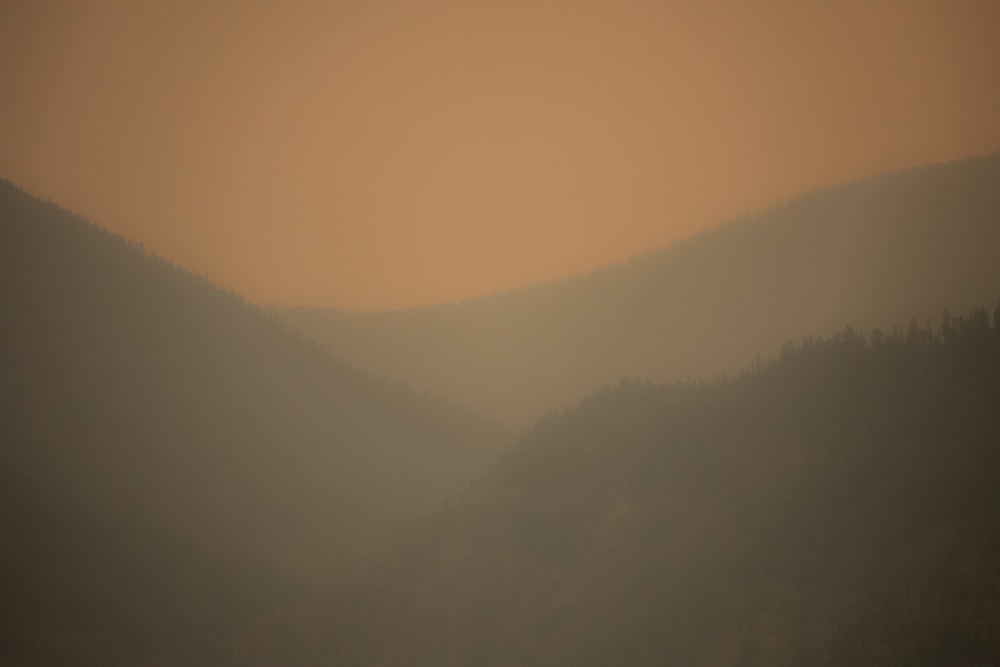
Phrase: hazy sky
pixel 376 154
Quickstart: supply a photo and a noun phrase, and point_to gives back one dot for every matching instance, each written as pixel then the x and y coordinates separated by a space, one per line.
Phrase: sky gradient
pixel 372 155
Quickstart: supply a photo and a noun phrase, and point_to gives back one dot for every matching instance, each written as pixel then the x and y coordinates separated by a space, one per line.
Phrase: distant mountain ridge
pixel 873 254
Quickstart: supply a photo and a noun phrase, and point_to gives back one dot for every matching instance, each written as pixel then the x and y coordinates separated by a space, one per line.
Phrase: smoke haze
pixel 386 154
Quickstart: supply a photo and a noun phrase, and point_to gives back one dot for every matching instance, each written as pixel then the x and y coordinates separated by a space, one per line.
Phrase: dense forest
pixel 172 459
pixel 870 254
pixel 834 506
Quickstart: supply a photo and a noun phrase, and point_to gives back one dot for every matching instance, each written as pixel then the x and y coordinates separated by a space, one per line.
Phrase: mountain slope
pixel 836 507
pixel 870 254
pixel 144 411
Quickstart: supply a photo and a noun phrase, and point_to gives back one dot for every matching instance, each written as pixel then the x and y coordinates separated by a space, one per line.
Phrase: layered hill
pixel 837 506
pixel 171 455
pixel 872 254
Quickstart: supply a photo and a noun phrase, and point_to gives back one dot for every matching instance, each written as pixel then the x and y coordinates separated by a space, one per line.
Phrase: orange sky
pixel 373 154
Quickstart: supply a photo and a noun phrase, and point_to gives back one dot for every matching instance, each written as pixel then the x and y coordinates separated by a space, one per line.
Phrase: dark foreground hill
pixel 870 254
pixel 838 506
pixel 173 462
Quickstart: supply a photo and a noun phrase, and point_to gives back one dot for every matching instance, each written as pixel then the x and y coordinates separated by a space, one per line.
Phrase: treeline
pixel 835 505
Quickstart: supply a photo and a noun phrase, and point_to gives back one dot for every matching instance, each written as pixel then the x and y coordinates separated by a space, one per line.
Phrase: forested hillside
pixel 183 482
pixel 837 506
pixel 173 461
pixel 869 254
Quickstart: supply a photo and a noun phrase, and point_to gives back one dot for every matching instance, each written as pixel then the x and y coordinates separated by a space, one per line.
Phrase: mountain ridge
pixel 166 444
pixel 871 253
